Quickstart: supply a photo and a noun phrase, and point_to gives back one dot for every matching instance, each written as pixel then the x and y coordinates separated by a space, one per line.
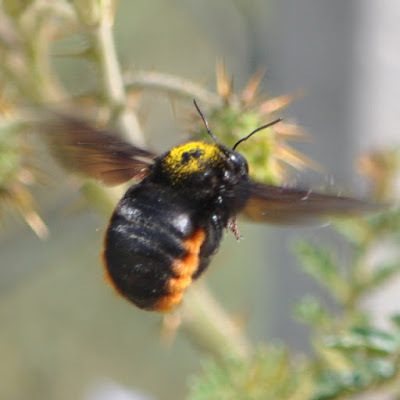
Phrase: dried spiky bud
pixel 268 154
pixel 17 173
pixel 381 168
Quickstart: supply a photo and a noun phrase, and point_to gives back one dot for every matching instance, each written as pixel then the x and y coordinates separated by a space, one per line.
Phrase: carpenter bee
pixel 166 228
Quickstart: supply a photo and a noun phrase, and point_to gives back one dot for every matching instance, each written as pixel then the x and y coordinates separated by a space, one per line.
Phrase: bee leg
pixel 232 226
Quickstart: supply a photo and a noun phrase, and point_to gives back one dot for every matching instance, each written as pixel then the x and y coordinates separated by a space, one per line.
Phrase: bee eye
pixel 239 163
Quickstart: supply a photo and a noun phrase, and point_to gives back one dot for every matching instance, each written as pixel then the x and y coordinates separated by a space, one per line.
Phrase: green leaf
pixel 331 384
pixel 384 273
pixel 364 374
pixel 319 262
pixel 310 310
pixel 269 375
pixel 396 320
pixel 366 339
pixel 355 231
pixel 386 222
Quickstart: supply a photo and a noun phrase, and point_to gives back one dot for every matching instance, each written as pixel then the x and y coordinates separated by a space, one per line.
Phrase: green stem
pixel 111 82
pixel 173 85
pixel 167 84
pixel 210 327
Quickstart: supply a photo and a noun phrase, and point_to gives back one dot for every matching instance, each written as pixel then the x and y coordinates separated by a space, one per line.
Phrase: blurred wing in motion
pixel 95 153
pixel 291 206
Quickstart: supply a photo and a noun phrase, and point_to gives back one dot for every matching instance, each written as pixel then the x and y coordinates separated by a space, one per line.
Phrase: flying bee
pixel 165 230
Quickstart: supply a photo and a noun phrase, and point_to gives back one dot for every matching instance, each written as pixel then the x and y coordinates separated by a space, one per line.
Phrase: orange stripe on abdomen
pixel 184 269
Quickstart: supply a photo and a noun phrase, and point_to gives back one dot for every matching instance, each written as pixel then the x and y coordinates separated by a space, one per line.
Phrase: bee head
pixel 191 161
pixel 207 168
pixel 204 170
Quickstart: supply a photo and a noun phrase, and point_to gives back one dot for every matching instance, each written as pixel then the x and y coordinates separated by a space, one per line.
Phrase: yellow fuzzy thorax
pixel 189 158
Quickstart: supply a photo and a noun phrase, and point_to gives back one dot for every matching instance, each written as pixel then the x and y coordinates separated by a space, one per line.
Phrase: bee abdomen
pixel 183 272
pixel 152 253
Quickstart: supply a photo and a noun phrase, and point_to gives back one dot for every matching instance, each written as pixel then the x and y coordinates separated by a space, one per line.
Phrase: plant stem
pixel 210 327
pixel 173 85
pixel 111 82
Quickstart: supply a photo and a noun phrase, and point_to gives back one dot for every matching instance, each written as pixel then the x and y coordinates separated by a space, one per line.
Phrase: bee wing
pixel 292 206
pixel 95 153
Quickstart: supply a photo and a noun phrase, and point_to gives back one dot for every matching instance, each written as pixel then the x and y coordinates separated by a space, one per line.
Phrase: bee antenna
pixel 205 121
pixel 256 130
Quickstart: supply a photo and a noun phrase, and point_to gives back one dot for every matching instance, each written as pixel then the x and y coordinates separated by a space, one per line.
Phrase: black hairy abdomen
pixel 146 236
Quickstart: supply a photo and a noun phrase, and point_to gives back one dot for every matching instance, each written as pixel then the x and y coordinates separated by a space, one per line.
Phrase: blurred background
pixel 62 330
